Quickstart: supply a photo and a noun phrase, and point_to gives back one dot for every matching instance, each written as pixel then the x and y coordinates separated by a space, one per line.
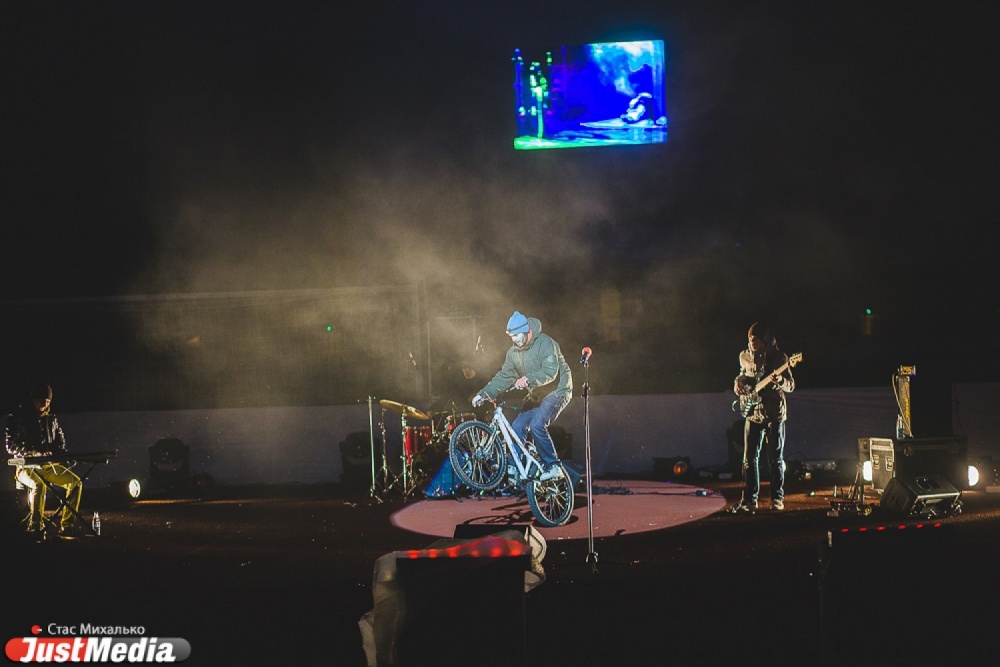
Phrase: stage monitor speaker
pixel 926 496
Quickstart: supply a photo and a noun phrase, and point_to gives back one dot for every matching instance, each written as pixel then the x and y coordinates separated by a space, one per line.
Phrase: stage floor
pixel 620 507
pixel 283 575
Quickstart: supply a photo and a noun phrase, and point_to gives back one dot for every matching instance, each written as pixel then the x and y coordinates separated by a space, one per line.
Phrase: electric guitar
pixel 747 402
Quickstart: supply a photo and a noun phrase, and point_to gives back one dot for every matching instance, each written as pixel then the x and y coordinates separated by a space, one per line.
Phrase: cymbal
pixel 402 409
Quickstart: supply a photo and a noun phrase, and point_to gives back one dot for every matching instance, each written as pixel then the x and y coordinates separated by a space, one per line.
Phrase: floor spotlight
pixel 982 472
pixel 122 493
pixel 672 467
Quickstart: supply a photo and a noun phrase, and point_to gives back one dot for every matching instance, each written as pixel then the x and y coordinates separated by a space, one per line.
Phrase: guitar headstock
pixel 794 359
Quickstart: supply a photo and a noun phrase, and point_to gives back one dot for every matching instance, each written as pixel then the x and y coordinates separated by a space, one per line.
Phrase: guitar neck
pixel 766 381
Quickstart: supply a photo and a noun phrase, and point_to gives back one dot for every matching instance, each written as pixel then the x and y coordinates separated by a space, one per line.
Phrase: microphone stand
pixel 371 433
pixel 591 554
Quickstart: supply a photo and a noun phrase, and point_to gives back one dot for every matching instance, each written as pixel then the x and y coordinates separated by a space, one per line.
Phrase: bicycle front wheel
pixel 477 455
pixel 552 501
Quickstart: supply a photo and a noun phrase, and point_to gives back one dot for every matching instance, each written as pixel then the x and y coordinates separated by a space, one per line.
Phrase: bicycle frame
pixel 516 449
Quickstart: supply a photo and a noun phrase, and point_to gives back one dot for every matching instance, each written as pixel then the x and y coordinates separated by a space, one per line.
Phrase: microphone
pixel 586 355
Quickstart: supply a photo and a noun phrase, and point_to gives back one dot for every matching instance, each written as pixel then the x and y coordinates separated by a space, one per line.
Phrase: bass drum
pixel 415 438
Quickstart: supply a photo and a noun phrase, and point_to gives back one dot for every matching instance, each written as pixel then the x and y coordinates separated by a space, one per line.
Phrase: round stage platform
pixel 620 507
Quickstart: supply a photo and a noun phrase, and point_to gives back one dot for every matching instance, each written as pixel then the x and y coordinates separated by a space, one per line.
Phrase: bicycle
pixel 483 455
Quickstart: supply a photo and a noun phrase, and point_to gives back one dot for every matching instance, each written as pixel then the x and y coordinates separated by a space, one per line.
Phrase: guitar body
pixel 746 403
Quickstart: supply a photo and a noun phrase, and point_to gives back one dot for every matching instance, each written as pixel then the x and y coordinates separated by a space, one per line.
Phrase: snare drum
pixel 414 440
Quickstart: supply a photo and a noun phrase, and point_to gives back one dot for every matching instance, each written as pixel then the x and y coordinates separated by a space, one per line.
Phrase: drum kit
pixel 424 445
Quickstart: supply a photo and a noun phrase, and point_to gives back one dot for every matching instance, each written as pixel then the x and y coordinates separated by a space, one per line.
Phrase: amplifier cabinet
pixel 882 452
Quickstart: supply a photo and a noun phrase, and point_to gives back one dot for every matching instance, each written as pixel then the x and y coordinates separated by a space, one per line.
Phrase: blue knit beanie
pixel 517 323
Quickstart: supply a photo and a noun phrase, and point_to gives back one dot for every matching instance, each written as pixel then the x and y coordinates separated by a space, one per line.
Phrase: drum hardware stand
pixel 407 457
pixel 388 479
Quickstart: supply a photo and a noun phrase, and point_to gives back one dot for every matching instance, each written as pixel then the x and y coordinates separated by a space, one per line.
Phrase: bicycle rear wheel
pixel 552 501
pixel 478 455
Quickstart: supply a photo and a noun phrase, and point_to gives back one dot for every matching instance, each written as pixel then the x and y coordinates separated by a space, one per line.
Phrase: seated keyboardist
pixel 32 431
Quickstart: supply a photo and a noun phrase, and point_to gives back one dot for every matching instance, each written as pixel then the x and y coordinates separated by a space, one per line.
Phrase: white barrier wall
pixel 302 444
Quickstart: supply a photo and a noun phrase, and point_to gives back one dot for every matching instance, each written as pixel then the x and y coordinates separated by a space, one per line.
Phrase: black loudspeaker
pixel 930 404
pixel 926 496
pixel 451 602
pixel 875 585
pixel 356 459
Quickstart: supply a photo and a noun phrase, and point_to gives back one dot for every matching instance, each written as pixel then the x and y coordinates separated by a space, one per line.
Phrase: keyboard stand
pixel 57 492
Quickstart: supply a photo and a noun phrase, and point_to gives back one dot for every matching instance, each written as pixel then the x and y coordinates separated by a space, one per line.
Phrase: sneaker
pixel 740 508
pixel 777 505
pixel 552 471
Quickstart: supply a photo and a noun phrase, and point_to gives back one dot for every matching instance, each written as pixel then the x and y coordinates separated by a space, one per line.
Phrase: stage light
pixel 672 467
pixel 866 471
pixel 981 472
pixel 122 493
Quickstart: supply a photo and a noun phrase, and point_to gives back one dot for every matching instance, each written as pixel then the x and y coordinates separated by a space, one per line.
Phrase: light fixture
pixel 981 472
pixel 672 467
pixel 122 493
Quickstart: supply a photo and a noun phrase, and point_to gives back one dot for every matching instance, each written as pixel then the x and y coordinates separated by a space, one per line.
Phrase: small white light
pixel 134 488
pixel 973 476
pixel 866 471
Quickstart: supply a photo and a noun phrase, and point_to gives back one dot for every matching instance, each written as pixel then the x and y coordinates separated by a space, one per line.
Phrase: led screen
pixel 603 94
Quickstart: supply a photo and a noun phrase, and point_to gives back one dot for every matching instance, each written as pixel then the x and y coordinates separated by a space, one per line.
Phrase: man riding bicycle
pixel 534 362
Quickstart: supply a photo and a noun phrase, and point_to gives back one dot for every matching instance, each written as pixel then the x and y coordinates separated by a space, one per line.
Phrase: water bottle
pixel 95 523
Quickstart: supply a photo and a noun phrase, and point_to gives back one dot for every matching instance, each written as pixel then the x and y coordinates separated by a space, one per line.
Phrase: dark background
pixel 824 158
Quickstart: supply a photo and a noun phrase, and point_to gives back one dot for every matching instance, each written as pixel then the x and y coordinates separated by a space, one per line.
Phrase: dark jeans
pixel 769 436
pixel 537 420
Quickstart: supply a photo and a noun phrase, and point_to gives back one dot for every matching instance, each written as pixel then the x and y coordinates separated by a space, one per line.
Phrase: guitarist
pixel 765 411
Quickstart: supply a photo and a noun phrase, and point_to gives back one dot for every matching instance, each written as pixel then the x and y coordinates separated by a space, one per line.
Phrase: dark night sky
pixel 823 157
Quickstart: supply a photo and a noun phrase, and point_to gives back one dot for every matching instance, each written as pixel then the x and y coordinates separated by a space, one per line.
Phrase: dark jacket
pixel 755 369
pixel 541 361
pixel 31 434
